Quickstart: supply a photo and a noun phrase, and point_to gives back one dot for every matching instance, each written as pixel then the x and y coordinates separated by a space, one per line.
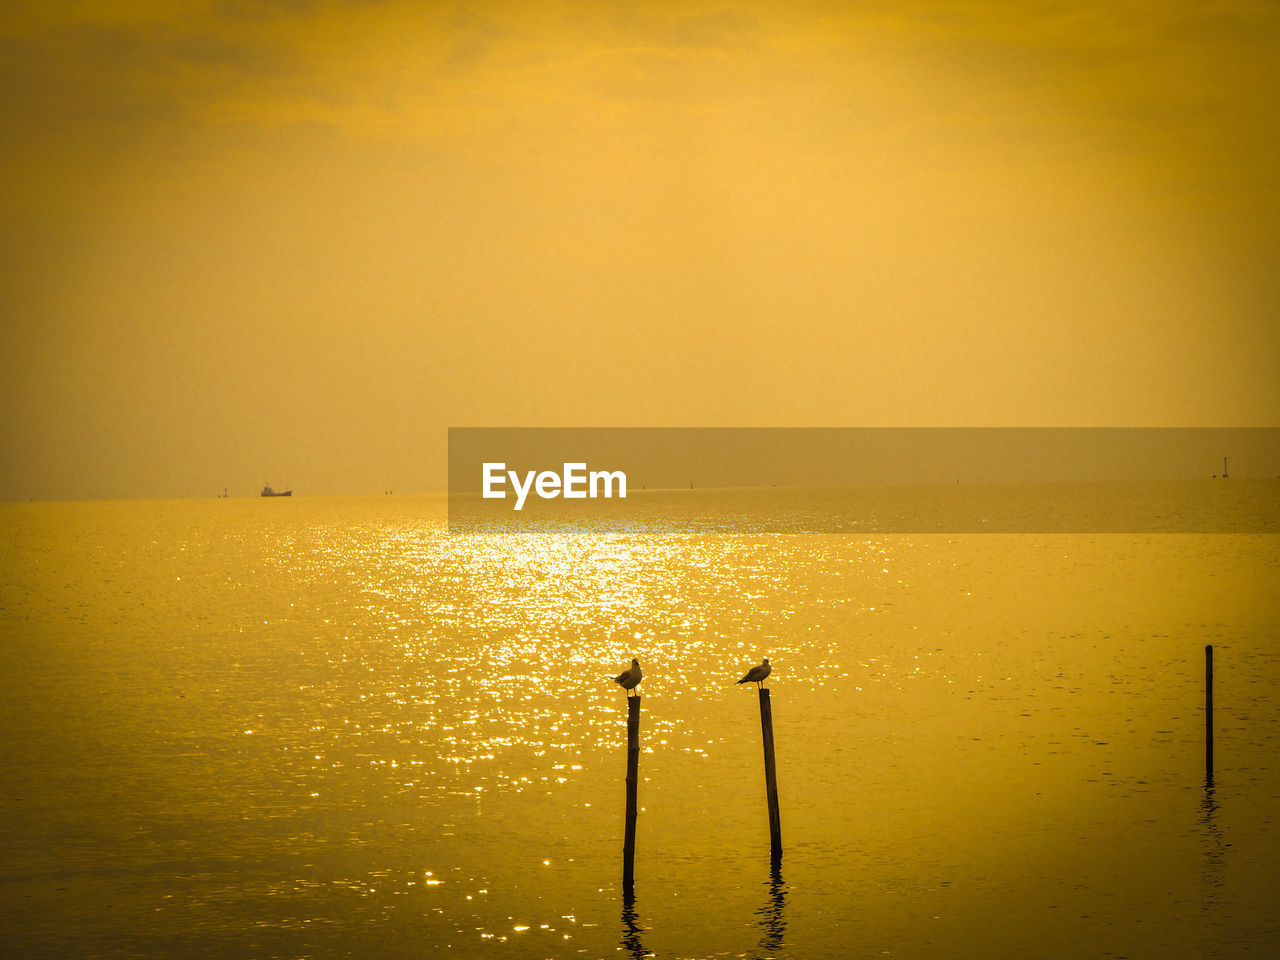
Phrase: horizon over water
pixel 323 727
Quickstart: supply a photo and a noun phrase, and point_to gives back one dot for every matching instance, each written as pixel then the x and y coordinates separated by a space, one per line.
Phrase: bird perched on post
pixel 756 675
pixel 629 677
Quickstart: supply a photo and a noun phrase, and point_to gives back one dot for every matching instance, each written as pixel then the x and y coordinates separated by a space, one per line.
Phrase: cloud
pixel 260 9
pixel 715 28
pixel 107 83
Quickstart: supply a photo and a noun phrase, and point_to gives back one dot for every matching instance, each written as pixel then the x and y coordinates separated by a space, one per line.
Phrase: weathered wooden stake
pixel 1208 713
pixel 770 775
pixel 633 771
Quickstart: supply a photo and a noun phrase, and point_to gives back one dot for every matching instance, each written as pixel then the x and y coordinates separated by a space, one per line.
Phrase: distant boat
pixel 268 492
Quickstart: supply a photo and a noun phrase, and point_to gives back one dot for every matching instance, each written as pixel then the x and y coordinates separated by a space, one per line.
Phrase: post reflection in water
pixel 1215 851
pixel 773 919
pixel 631 928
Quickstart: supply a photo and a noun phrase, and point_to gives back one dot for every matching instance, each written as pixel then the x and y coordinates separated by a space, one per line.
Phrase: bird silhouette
pixel 630 677
pixel 756 675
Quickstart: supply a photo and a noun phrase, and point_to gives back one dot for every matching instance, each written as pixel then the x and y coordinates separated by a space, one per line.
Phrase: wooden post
pixel 633 771
pixel 770 775
pixel 1208 713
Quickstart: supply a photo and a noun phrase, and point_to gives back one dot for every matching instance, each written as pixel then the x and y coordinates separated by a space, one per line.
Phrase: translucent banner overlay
pixel 864 480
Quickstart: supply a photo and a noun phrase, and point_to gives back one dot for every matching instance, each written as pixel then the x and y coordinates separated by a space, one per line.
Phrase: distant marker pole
pixel 633 772
pixel 770 775
pixel 1208 713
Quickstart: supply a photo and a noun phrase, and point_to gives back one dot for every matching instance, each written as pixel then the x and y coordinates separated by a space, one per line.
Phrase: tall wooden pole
pixel 1208 713
pixel 633 771
pixel 770 775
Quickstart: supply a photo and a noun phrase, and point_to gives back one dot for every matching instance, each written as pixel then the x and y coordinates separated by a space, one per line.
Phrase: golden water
pixel 323 728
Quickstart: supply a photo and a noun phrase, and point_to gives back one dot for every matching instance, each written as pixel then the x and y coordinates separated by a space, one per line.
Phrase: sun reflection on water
pixel 364 724
pixel 481 666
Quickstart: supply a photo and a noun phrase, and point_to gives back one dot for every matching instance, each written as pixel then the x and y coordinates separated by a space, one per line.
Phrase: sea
pixel 316 727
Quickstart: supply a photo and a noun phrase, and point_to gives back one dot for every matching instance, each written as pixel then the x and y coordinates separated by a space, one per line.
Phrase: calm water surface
pixel 323 728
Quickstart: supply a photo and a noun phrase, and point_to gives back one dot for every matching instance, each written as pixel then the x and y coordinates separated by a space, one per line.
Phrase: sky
pixel 294 241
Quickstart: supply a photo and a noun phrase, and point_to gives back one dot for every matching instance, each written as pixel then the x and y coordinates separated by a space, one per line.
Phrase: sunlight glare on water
pixel 326 728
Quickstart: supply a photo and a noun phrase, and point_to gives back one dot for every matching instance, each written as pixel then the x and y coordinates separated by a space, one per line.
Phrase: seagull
pixel 756 675
pixel 629 677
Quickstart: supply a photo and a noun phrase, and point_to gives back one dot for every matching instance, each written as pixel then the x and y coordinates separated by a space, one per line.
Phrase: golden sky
pixel 295 240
